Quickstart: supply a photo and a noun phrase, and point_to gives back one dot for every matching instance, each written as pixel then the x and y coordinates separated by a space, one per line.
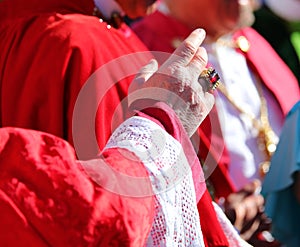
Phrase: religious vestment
pixel 139 192
pixel 51 53
pixel 49 197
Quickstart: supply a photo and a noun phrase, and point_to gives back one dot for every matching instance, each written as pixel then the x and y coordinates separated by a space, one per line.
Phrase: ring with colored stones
pixel 212 77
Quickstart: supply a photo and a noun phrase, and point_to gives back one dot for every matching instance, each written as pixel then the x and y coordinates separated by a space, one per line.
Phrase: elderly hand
pixel 176 82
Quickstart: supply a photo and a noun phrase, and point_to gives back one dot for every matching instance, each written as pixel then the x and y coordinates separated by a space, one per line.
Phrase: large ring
pixel 211 77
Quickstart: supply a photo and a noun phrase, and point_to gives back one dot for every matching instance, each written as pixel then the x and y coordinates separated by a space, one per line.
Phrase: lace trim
pixel 176 220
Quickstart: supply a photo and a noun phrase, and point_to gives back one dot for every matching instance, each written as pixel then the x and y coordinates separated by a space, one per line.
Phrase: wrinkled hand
pixel 245 209
pixel 176 83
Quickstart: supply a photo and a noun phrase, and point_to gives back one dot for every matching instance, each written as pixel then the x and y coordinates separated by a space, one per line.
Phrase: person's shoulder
pixel 76 28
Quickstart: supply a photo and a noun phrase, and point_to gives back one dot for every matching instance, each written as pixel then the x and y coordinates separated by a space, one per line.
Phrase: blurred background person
pixel 281 186
pixel 258 90
pixel 279 23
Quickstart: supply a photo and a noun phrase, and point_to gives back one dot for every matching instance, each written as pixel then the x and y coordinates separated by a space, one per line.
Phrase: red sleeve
pixel 46 199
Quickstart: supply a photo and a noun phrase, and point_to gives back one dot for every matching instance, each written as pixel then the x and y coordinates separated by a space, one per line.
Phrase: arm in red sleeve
pixel 46 198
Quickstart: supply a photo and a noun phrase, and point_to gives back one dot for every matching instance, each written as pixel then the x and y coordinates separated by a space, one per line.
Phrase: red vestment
pixel 47 198
pixel 48 52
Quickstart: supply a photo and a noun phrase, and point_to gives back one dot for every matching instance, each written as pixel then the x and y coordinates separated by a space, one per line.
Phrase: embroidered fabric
pixel 231 234
pixel 176 221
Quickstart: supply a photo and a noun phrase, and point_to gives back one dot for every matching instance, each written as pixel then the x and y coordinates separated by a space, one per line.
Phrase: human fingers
pixel 146 72
pixel 134 90
pixel 254 187
pixel 244 210
pixel 253 205
pixel 199 60
pixel 246 222
pixel 188 48
pixel 239 213
pixel 251 228
pixel 265 222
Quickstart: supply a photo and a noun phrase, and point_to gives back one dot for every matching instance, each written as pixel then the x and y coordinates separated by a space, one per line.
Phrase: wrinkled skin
pixel 176 82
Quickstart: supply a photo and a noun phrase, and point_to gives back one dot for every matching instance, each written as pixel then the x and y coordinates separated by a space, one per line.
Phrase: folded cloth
pixel 47 199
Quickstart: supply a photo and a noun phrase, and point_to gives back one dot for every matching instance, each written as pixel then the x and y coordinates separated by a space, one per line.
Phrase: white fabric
pixel 288 10
pixel 176 220
pixel 231 234
pixel 238 132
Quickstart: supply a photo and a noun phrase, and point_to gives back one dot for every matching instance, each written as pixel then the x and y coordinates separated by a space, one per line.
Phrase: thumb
pixel 139 81
pixel 146 72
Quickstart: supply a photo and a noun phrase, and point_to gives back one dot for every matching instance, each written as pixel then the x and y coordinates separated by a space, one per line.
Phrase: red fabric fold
pixel 46 198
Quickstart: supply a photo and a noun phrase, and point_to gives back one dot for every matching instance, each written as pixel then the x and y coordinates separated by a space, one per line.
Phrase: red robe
pixel 48 52
pixel 46 197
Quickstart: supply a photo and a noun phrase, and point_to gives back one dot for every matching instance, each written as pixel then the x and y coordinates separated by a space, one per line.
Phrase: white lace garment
pixel 176 221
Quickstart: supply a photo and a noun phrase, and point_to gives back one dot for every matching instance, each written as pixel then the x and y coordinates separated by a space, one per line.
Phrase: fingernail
pixel 200 31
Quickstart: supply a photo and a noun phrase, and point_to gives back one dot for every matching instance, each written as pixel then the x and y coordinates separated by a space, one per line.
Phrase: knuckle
pixel 200 60
pixel 188 48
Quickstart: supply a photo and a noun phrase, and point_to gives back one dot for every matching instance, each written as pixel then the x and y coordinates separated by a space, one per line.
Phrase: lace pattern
pixel 176 220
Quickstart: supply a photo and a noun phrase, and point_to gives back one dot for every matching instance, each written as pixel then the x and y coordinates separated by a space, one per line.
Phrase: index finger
pixel 188 48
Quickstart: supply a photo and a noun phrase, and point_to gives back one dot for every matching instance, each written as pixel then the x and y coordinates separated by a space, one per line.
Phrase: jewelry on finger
pixel 211 77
